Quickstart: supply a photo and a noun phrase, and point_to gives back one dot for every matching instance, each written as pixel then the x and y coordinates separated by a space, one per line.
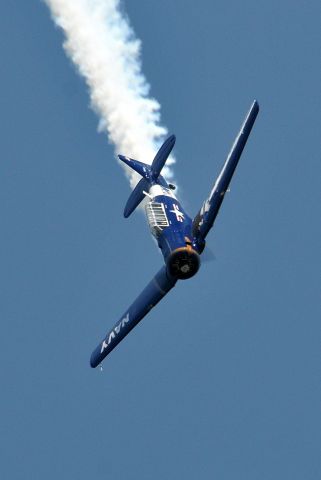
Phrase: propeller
pixel 208 255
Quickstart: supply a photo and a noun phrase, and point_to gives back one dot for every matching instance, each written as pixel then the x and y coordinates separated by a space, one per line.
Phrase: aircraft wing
pixel 160 285
pixel 205 218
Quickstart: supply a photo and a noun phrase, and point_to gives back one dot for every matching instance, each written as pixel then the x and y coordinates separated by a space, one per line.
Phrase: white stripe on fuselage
pixel 156 190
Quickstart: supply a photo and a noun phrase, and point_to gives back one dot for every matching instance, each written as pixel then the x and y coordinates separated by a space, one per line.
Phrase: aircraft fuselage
pixel 180 238
pixel 172 228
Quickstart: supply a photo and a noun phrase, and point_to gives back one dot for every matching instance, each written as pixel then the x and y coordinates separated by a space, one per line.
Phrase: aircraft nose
pixel 183 263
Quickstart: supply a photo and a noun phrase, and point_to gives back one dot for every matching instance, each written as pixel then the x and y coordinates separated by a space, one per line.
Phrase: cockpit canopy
pixel 156 217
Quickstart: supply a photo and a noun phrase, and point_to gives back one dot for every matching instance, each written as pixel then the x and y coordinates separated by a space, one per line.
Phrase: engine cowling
pixel 183 263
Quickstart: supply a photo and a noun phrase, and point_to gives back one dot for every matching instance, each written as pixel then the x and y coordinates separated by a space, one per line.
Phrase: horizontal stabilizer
pixel 150 296
pixel 136 197
pixel 162 155
pixel 150 173
pixel 205 218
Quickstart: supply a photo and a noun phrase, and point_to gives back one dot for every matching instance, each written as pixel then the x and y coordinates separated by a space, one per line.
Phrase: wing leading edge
pixel 159 286
pixel 205 218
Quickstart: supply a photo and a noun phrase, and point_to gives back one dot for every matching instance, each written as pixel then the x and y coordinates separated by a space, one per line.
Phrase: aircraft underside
pixel 181 239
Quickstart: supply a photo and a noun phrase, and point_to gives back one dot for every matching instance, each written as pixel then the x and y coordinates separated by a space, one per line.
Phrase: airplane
pixel 180 238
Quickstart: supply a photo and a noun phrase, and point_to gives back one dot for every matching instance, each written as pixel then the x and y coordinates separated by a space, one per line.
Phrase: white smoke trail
pixel 102 45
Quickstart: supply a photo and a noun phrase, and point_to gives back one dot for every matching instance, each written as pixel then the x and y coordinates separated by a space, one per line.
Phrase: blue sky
pixel 222 379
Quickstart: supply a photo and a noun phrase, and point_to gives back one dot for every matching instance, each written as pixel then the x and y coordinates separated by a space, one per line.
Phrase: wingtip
pixel 172 139
pixel 93 360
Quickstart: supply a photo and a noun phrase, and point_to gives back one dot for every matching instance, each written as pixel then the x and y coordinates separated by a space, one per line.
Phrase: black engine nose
pixel 183 263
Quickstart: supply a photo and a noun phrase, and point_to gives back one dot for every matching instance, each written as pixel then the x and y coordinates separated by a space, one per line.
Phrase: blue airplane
pixel 181 239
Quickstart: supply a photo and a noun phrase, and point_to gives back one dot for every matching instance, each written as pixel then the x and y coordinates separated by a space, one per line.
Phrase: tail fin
pixel 150 173
pixel 142 168
pixel 205 218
